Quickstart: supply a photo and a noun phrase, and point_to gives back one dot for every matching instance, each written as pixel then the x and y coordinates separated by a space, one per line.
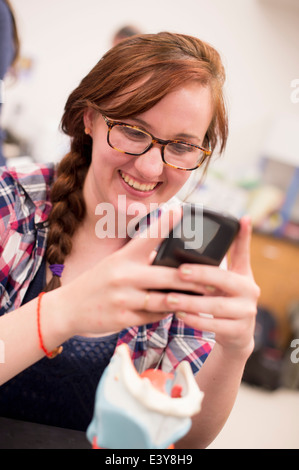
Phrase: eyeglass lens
pixel 134 141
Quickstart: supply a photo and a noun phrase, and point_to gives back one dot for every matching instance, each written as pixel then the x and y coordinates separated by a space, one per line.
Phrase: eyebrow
pixel 182 135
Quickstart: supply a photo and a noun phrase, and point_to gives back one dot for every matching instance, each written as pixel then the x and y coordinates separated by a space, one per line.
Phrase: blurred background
pixel 258 40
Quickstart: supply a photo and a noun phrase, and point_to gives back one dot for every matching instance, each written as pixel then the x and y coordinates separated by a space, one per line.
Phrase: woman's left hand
pixel 228 305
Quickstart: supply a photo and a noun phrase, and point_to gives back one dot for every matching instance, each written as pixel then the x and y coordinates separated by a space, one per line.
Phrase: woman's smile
pixel 143 187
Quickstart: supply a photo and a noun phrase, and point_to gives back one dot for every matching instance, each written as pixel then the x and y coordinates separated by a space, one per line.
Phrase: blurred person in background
pixel 124 33
pixel 9 53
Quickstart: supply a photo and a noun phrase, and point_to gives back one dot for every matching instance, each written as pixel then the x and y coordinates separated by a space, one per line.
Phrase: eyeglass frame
pixel 111 123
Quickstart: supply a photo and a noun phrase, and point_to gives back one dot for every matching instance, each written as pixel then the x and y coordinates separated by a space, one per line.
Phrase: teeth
pixel 134 184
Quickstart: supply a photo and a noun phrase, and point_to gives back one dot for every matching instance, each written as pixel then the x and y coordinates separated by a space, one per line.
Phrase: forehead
pixel 188 109
pixel 144 93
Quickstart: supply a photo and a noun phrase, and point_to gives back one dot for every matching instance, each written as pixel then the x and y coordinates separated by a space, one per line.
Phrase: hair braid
pixel 68 210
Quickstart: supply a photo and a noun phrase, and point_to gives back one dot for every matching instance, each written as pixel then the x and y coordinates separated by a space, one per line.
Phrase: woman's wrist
pixel 236 356
pixel 55 325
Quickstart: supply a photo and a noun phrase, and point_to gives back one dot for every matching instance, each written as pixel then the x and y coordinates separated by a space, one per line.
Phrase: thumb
pixel 240 249
pixel 157 229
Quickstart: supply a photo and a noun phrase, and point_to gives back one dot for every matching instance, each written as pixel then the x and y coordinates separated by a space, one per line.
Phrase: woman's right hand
pixel 114 294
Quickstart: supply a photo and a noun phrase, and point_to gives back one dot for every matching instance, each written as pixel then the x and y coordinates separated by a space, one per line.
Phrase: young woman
pixel 148 114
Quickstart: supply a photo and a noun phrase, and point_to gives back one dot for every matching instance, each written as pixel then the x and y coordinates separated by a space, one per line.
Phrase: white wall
pixel 258 40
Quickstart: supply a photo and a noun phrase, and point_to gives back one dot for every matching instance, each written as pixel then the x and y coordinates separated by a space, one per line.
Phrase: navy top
pixel 58 391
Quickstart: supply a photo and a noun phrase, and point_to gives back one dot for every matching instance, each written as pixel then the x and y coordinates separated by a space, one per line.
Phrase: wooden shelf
pixel 275 264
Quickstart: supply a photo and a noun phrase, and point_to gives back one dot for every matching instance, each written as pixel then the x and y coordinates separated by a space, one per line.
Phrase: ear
pixel 88 119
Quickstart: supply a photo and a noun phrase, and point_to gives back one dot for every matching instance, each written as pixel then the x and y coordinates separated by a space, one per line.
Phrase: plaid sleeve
pixel 24 207
pixel 8 216
pixel 186 344
pixel 165 344
pixel 7 219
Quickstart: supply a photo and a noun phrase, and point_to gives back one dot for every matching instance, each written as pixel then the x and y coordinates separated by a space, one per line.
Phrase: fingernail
pixel 211 289
pixel 152 256
pixel 180 314
pixel 172 299
pixel 186 271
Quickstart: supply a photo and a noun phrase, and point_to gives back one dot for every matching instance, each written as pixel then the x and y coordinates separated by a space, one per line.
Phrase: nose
pixel 150 165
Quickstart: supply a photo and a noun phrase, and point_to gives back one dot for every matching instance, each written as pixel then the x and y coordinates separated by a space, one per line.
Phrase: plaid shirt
pixel 24 209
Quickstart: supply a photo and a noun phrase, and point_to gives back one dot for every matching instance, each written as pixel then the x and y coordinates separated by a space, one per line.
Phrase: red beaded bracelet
pixel 55 351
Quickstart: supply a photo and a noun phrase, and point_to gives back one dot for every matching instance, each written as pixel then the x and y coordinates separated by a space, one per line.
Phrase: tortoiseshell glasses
pixel 132 140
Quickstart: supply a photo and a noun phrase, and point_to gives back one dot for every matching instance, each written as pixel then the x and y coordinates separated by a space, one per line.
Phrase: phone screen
pixel 201 237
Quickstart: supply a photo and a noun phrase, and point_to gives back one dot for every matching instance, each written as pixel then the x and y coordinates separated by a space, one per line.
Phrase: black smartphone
pixel 202 236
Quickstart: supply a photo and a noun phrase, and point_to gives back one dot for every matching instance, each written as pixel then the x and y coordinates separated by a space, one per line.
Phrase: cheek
pixel 176 179
pixel 103 156
pixel 106 157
